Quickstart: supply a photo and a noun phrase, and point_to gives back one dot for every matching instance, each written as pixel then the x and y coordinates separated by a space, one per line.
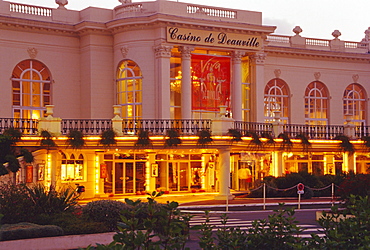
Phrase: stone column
pixel 236 91
pixel 257 86
pixel 224 174
pixel 186 82
pixel 162 56
pixel 149 179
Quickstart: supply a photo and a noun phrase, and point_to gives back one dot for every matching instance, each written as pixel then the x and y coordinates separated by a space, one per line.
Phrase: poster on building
pixel 29 174
pixel 40 172
pixel 210 82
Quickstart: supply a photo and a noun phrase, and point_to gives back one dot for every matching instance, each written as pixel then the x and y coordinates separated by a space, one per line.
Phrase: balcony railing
pixel 259 128
pixel 159 126
pixel 314 131
pixel 361 131
pixel 86 126
pixel 26 126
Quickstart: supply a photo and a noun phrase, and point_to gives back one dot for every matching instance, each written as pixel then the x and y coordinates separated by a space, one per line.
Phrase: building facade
pixel 162 66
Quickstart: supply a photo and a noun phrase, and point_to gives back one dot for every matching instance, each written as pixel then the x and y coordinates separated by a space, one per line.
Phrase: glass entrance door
pixel 179 176
pixel 129 177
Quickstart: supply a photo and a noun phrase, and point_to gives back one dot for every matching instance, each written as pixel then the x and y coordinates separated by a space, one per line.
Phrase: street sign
pixel 300 188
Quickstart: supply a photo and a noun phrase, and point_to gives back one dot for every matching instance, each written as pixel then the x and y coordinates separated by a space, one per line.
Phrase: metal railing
pixel 26 126
pixel 86 126
pixel 314 131
pixel 160 126
pixel 259 128
pixel 214 12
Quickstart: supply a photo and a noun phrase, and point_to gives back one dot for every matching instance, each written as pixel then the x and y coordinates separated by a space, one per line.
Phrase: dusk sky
pixel 317 18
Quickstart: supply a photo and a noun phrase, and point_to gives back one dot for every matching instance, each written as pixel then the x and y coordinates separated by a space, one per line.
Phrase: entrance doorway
pixel 178 176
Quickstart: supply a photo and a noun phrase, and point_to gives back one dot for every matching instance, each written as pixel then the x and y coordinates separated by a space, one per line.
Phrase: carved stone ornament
pixel 237 55
pixel 277 73
pixel 258 58
pixel 336 34
pixel 162 51
pixel 186 51
pixel 297 30
pixel 124 51
pixel 355 78
pixel 317 76
pixel 61 3
pixel 32 52
pixel 125 1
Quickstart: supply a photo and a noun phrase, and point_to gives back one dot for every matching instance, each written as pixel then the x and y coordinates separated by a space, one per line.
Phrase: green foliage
pixel 173 138
pixel 105 211
pixel 71 223
pixel 206 239
pixel 47 139
pixel 75 139
pixel 345 229
pixel 143 140
pixel 236 134
pixel 143 221
pixel 15 203
pixel 50 201
pixel 345 145
pixel 204 138
pixel 355 184
pixel 306 144
pixel 287 144
pixel 27 155
pixel 108 138
pixel 27 230
pixel 19 203
pixel 8 152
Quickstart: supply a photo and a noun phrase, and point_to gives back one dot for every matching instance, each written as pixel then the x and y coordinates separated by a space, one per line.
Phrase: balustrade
pixel 26 126
pixel 86 126
pixel 314 131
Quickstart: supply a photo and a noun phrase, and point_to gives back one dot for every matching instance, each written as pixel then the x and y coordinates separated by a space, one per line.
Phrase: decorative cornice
pixel 237 55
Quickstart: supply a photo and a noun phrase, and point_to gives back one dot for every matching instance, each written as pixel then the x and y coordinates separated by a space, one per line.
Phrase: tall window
pixel 175 84
pixel 354 103
pixel 316 103
pixel 72 168
pixel 31 82
pixel 276 100
pixel 129 89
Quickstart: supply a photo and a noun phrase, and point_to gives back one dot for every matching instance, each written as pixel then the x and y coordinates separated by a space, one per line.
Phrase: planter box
pixel 60 242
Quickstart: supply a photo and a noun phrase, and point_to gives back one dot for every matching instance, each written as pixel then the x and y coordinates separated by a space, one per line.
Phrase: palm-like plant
pixel 287 144
pixel 46 140
pixel 143 140
pixel 236 134
pixel 345 145
pixel 173 138
pixel 75 139
pixel 204 138
pixel 108 138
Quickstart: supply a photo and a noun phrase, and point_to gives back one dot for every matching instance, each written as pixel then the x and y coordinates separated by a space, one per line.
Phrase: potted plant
pixel 366 140
pixel 345 145
pixel 268 136
pixel 236 134
pixel 46 140
pixel 173 138
pixel 108 138
pixel 75 139
pixel 255 138
pixel 287 144
pixel 143 140
pixel 306 144
pixel 204 138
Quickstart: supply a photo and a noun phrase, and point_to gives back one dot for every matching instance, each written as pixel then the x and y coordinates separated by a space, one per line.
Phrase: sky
pixel 317 18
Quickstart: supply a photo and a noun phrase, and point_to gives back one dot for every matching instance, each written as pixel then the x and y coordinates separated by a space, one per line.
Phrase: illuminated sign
pixel 213 38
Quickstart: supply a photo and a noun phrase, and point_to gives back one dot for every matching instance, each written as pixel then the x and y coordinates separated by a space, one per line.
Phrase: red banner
pixel 103 170
pixel 210 82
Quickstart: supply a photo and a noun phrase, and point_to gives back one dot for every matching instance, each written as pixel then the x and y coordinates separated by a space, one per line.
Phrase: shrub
pixel 25 230
pixel 355 184
pixel 105 211
pixel 15 203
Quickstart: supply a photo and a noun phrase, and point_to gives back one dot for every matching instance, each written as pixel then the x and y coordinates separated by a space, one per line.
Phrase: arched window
pixel 316 101
pixel 276 100
pixel 129 89
pixel 31 82
pixel 72 169
pixel 354 104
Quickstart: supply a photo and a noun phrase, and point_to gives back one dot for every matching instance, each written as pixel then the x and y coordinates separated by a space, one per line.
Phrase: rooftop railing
pixel 361 131
pixel 30 9
pixel 26 126
pixel 209 11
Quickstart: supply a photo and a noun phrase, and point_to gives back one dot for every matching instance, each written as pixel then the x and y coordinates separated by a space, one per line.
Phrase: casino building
pixel 272 104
